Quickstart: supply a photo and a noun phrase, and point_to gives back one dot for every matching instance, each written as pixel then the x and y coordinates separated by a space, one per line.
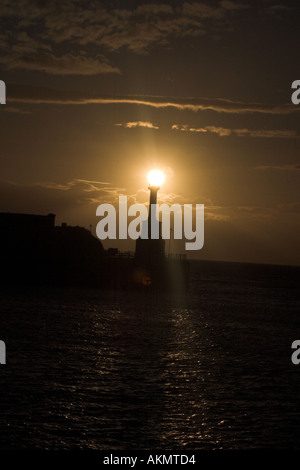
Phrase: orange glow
pixel 156 177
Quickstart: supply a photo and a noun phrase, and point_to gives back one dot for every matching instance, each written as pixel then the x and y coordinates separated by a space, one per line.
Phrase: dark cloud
pixel 32 30
pixel 67 64
pixel 27 53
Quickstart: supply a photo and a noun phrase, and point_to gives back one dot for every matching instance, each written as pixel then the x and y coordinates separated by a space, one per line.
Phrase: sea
pixel 116 370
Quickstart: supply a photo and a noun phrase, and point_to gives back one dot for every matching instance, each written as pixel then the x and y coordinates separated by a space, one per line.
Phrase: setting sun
pixel 156 177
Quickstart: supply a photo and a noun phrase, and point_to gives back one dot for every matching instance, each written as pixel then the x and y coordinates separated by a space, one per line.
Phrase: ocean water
pixel 106 370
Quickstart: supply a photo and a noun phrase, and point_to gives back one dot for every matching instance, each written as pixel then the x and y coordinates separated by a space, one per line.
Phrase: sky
pixel 100 92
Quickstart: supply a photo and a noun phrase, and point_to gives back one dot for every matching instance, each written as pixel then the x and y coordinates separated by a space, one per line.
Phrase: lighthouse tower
pixel 153 200
pixel 152 268
pixel 149 251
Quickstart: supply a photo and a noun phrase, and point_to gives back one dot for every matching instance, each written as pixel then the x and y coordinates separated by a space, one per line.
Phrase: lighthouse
pixel 152 267
pixel 152 200
pixel 155 178
pixel 151 251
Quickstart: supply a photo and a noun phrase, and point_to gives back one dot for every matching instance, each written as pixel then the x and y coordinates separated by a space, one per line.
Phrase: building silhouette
pixel 35 251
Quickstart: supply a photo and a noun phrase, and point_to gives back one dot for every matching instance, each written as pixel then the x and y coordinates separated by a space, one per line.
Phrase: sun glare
pixel 156 177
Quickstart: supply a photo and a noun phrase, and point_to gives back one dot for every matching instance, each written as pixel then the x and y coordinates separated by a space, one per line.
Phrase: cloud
pixel 131 125
pixel 270 212
pixel 67 64
pixel 12 109
pixel 232 6
pixel 35 34
pixel 87 185
pixel 278 9
pixel 55 196
pixel 277 133
pixel 237 214
pixel 222 131
pixel 34 53
pixel 98 190
pixel 202 10
pixel 32 30
pixel 27 94
pixel 186 128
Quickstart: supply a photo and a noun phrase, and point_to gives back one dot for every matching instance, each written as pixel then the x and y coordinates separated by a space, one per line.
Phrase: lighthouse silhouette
pixel 153 269
pixel 151 250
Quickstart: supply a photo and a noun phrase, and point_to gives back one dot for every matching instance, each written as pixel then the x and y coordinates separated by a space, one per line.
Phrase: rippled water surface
pixel 101 370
